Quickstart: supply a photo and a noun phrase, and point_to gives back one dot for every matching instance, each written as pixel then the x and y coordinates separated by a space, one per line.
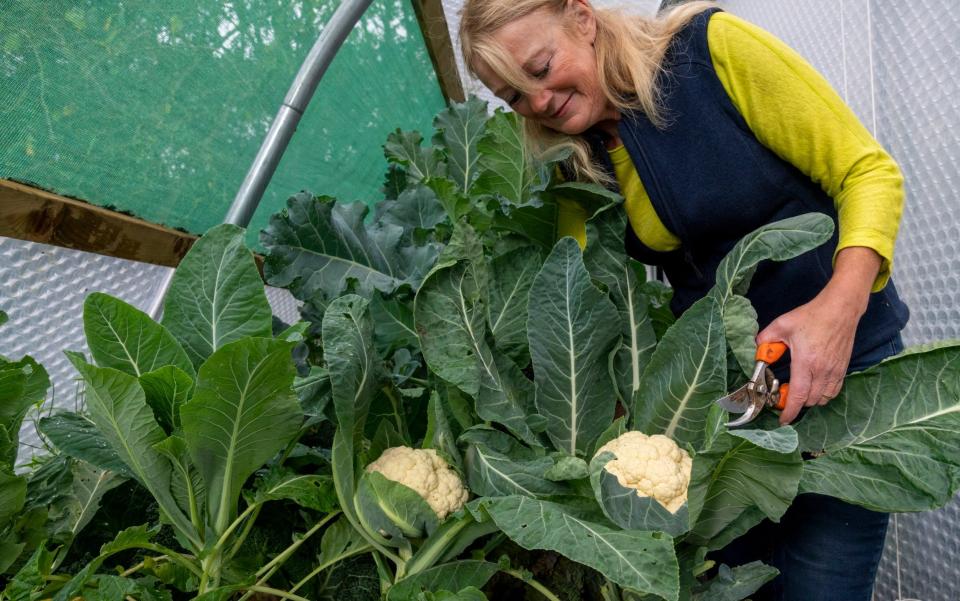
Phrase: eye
pixel 543 72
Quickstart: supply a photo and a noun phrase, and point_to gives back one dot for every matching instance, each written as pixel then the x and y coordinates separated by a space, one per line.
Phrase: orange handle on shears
pixel 770 352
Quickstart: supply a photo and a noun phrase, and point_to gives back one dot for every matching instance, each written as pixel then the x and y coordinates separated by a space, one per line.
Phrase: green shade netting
pixel 158 108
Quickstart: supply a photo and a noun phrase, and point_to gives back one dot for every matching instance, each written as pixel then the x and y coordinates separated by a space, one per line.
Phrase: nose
pixel 540 101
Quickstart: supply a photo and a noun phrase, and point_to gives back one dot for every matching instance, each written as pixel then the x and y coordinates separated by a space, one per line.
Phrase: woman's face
pixel 561 59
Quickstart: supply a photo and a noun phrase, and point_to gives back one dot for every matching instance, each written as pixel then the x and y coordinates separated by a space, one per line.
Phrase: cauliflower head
pixel 425 472
pixel 653 465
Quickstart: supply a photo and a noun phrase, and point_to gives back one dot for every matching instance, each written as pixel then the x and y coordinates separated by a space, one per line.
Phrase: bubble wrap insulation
pixel 897 64
pixel 42 289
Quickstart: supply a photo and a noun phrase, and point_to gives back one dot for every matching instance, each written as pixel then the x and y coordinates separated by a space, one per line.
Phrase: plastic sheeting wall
pixel 897 64
pixel 42 289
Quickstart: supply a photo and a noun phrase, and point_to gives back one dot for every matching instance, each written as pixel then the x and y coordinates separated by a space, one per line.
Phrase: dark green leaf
pixel 491 474
pixel 512 276
pixel 456 575
pixel 77 436
pixel 685 375
pixel 439 433
pixel 310 491
pixel 891 436
pixel 740 324
pixel 644 561
pixel 567 467
pixel 742 470
pixel 737 583
pixel 459 127
pixel 778 241
pixel 572 329
pixel 392 508
pixel 625 508
pixel 216 296
pixel 403 148
pixel 167 389
pixel 506 167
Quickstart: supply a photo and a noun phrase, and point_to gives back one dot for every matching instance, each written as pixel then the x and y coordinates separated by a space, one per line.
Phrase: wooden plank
pixel 28 213
pixel 433 24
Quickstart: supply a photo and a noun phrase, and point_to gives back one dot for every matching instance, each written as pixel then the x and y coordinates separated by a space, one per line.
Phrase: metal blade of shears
pixel 738 401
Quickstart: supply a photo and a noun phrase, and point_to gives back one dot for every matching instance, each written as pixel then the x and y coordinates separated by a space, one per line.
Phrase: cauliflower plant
pixel 654 465
pixel 427 473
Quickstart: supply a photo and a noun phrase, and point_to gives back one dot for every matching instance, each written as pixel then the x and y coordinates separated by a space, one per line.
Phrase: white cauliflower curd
pixel 425 472
pixel 653 465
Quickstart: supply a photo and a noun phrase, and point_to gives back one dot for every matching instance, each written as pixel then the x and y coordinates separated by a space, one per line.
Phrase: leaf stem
pixel 236 523
pixel 243 534
pixel 264 573
pixel 273 591
pixel 323 566
pixel 532 582
pixel 395 403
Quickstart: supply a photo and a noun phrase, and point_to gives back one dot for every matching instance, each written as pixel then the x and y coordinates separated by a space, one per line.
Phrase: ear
pixel 583 18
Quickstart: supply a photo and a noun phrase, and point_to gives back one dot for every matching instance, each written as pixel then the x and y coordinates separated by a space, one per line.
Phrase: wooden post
pixel 433 24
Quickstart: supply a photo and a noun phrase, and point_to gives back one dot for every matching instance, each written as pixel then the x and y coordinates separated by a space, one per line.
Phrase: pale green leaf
pixel 506 167
pixel 243 412
pixel 403 148
pixel 572 330
pixel 779 241
pixel 740 325
pixel 625 508
pixel 393 509
pixel 686 374
pixel 77 436
pixel 216 295
pixel 125 338
pixel 737 583
pixel 511 278
pixel 307 490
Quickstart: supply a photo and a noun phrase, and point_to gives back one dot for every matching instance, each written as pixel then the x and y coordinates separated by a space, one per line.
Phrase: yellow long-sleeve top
pixel 794 112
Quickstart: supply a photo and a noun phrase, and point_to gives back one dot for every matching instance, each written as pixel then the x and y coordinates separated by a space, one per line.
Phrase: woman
pixel 710 128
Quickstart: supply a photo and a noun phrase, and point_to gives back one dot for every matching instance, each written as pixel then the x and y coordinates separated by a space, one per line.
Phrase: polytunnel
pixel 129 130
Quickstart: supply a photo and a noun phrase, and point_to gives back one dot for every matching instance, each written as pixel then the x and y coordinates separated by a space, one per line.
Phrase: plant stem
pixel 323 566
pixel 275 592
pixel 532 582
pixel 236 523
pixel 243 534
pixel 142 565
pixel 171 555
pixel 286 553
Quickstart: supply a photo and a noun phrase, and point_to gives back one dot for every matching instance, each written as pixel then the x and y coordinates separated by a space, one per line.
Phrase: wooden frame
pixel 28 213
pixel 433 24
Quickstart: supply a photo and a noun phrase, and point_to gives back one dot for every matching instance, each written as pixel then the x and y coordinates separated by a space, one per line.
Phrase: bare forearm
pixel 855 271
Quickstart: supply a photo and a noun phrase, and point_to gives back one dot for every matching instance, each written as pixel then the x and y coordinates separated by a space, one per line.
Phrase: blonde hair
pixel 629 50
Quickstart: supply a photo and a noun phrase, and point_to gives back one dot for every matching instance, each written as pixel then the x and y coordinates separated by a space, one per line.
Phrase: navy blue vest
pixel 712 182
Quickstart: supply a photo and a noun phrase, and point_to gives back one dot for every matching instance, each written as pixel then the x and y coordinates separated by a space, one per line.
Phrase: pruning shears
pixel 763 389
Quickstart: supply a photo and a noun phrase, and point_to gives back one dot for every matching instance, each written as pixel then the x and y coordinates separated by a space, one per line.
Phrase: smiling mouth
pixel 562 106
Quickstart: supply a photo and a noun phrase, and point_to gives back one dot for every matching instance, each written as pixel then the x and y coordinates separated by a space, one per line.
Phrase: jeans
pixel 825 549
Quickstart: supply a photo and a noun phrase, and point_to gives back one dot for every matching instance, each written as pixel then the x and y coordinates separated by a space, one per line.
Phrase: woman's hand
pixel 820 333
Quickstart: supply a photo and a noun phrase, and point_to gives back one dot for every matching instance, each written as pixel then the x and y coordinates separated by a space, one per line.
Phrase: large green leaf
pixel 686 373
pixel 743 470
pixel 506 167
pixel 318 247
pixel 740 325
pixel 354 378
pixel 31 577
pixel 186 484
pixel 451 322
pixel 608 263
pixel 13 493
pixel 389 507
pixel 511 278
pixel 167 389
pixel 118 407
pixel 76 435
pixel 439 434
pixel 125 338
pixel 403 148
pixel 778 241
pixel 22 384
pixel 216 296
pixel 643 561
pixel 417 208
pixel 243 412
pixel 892 436
pixel 572 329
pixel 74 511
pixel 492 474
pixel 454 576
pixel 130 538
pixel 459 127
